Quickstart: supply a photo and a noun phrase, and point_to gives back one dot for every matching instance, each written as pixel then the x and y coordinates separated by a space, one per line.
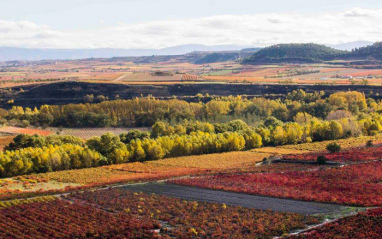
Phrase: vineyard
pixel 344 143
pixel 363 225
pixel 350 155
pixel 119 213
pixel 187 219
pixel 349 185
pixel 190 120
pixel 60 219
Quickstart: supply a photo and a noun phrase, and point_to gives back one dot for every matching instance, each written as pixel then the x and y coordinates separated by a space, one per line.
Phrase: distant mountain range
pixel 31 54
pixel 34 54
pixel 351 45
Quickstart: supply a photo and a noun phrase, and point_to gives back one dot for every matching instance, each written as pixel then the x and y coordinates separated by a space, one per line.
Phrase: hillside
pixel 294 53
pixel 217 57
pixel 373 51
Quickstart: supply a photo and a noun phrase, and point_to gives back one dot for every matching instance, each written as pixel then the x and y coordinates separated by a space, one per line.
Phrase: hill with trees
pixel 226 56
pixel 294 53
pixel 369 52
pixel 218 57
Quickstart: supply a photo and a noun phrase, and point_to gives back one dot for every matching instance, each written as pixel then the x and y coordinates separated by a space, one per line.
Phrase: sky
pixel 138 24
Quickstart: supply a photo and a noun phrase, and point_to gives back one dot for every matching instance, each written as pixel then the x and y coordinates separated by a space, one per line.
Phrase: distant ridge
pixel 31 54
pixel 283 52
pixel 351 45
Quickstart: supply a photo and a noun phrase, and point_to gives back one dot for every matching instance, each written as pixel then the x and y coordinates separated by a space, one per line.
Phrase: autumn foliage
pixel 349 185
pixel 60 219
pixel 188 219
pixel 360 226
pixel 349 155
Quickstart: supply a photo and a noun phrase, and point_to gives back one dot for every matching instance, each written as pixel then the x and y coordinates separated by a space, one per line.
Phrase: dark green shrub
pixel 333 147
pixel 369 143
pixel 321 160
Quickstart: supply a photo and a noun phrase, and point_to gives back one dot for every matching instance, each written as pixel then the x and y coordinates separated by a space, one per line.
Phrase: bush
pixel 25 123
pixel 333 147
pixel 321 160
pixel 369 143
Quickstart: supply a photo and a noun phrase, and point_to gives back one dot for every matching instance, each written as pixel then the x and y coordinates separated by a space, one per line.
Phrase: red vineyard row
pixel 350 155
pixel 60 219
pixel 350 185
pixel 186 219
pixel 360 226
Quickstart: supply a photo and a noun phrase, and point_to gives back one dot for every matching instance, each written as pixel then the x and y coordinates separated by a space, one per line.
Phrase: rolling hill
pixel 226 56
pixel 373 52
pixel 294 53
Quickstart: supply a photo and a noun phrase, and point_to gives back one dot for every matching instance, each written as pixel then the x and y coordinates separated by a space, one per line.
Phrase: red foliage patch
pixel 187 219
pixel 17 130
pixel 354 155
pixel 350 185
pixel 363 225
pixel 59 219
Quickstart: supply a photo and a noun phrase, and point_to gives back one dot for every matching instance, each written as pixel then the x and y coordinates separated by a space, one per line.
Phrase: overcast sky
pixel 163 23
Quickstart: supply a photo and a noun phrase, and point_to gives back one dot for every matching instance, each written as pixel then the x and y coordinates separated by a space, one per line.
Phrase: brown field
pixel 86 133
pixel 11 130
pixel 127 72
pixel 4 141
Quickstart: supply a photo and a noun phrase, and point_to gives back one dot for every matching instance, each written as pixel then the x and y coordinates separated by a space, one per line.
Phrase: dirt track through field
pixel 235 199
pixel 120 78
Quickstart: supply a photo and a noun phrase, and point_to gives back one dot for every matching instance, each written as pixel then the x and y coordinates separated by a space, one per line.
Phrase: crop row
pixel 271 168
pixel 353 154
pixel 60 219
pixel 187 219
pixel 345 143
pixel 350 185
pixel 16 202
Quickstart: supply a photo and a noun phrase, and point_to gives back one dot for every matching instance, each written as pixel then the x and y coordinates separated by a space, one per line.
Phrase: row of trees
pixel 146 111
pixel 347 113
pixel 34 154
pixel 109 149
pixel 165 129
pixel 50 158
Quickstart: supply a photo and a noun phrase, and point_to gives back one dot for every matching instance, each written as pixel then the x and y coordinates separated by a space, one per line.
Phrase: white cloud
pixel 259 29
pixel 358 12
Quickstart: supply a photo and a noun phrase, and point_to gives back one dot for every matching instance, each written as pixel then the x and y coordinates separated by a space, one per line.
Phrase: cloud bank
pixel 257 30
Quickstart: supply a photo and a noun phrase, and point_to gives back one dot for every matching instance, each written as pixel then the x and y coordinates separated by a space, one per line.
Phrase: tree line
pixel 35 154
pixel 145 112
